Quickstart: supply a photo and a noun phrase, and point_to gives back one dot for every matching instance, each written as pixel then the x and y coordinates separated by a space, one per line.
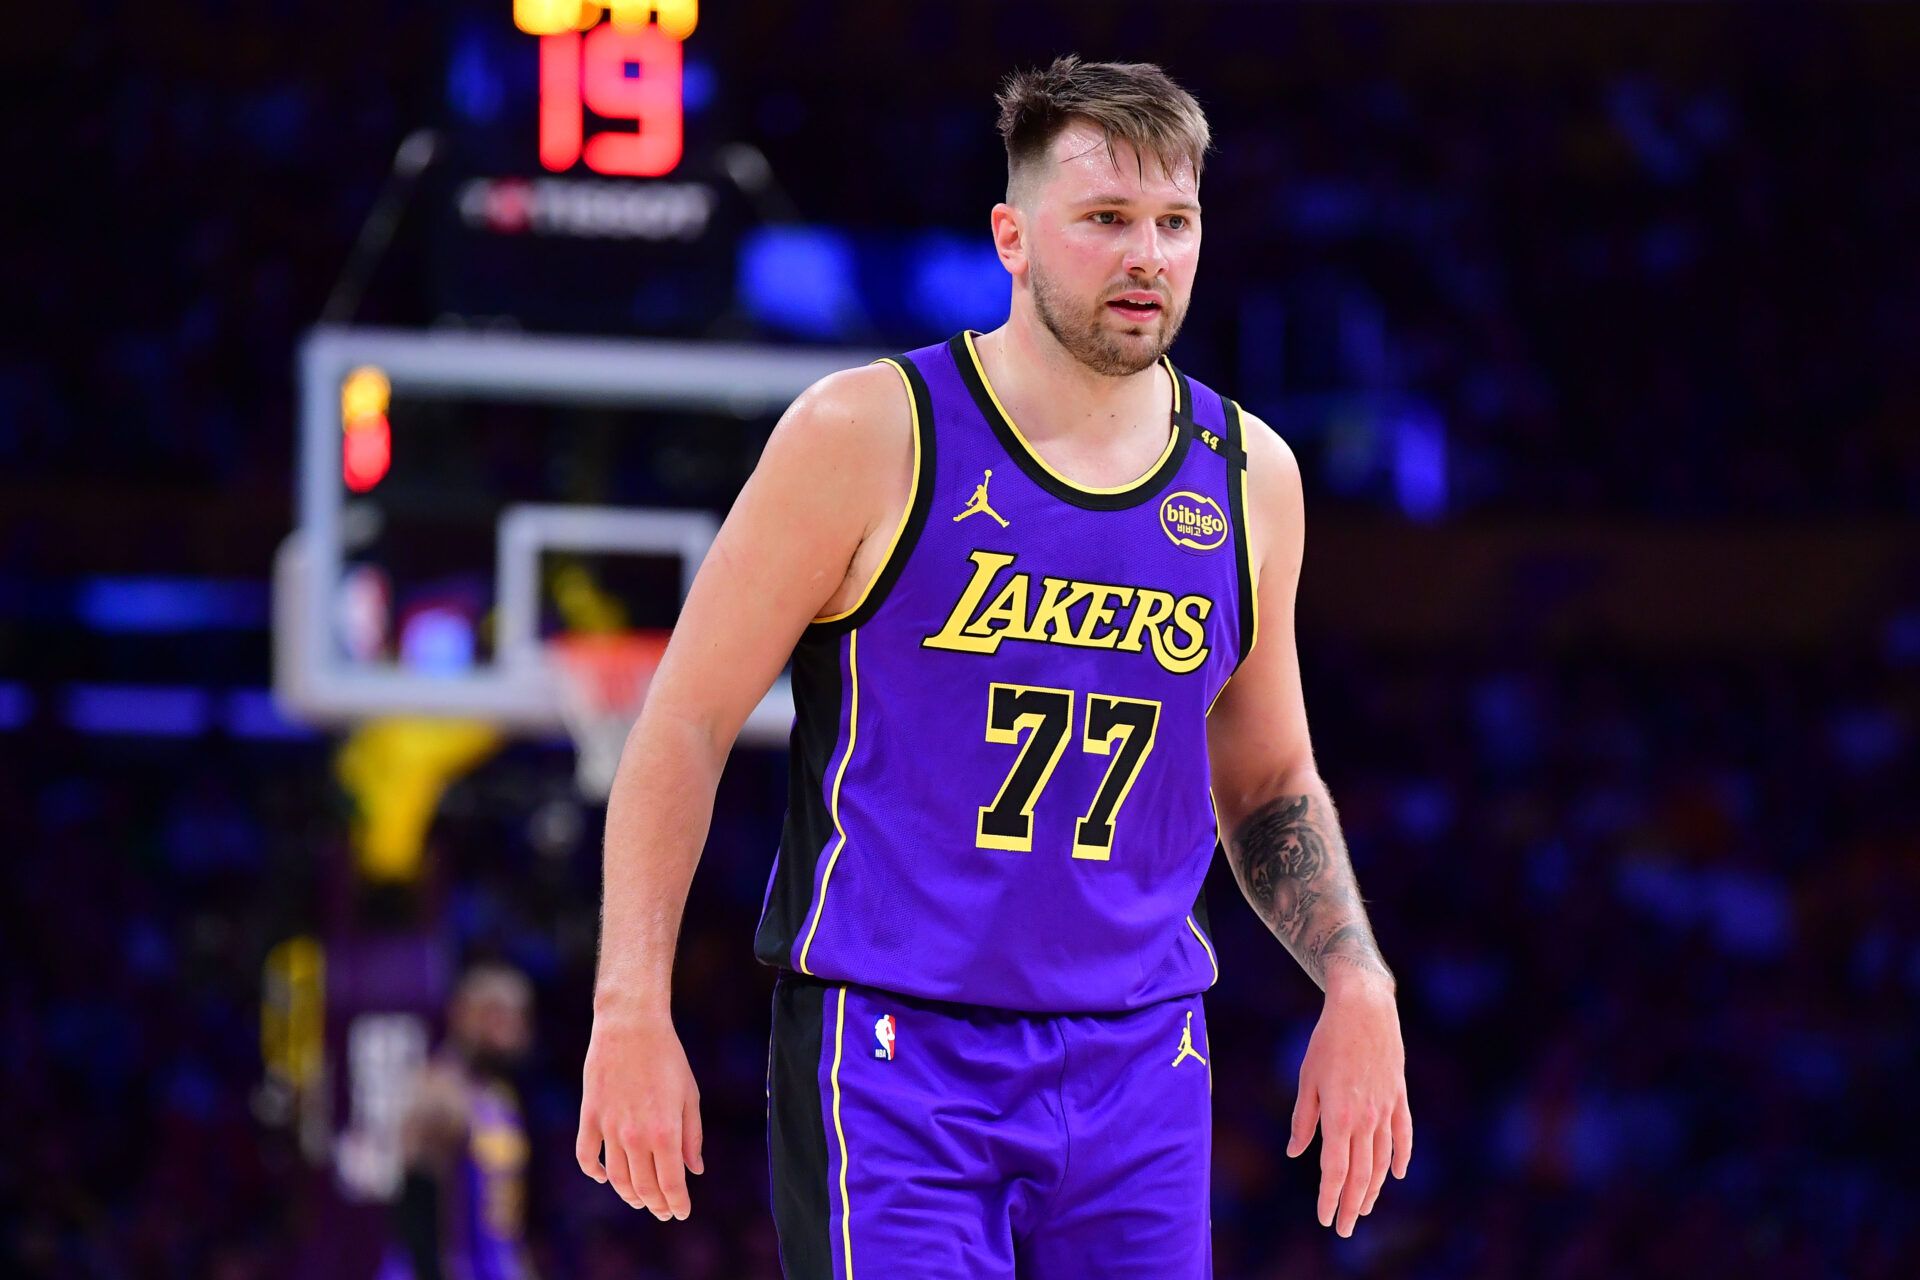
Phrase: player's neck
pixel 1054 396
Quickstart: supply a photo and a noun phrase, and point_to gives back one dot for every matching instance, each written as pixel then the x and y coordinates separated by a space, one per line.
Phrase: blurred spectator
pixel 463 1200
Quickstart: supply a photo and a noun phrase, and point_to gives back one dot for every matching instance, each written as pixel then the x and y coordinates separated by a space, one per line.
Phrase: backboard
pixel 464 496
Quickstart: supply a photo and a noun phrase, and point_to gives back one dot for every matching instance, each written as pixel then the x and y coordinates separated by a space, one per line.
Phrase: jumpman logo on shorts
pixel 1186 1044
pixel 979 503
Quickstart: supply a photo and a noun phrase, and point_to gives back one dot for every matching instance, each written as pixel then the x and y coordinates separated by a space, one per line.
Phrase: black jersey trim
pixel 912 520
pixel 1229 450
pixel 797 1130
pixel 1199 912
pixel 966 360
pixel 808 828
pixel 1197 921
pixel 1236 456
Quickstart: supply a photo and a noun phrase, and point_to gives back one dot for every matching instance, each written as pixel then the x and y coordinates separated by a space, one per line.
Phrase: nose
pixel 1145 252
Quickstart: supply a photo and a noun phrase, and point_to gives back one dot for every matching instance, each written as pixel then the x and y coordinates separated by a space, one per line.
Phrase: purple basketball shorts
pixel 942 1141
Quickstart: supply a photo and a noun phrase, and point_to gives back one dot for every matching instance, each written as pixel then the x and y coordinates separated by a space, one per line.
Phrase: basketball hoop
pixel 600 680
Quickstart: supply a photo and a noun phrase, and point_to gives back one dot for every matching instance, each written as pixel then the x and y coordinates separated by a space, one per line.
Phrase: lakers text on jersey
pixel 999 787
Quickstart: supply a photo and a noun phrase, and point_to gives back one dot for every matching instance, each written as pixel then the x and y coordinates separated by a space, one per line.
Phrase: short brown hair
pixel 1132 102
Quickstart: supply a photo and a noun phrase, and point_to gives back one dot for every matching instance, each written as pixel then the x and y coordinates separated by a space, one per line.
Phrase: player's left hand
pixel 1353 1083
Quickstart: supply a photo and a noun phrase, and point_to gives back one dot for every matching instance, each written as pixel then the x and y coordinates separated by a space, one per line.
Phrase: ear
pixel 1010 238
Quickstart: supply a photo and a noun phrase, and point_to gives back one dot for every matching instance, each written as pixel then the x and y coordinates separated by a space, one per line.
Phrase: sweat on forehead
pixel 1091 155
pixel 1083 161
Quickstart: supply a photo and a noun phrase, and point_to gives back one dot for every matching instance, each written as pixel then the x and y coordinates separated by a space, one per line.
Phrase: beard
pixel 498 1064
pixel 1081 329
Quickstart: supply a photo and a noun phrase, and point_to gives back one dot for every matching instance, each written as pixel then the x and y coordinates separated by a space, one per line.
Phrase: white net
pixel 601 682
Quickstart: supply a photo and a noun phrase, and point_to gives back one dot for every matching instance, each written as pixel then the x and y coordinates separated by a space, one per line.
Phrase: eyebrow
pixel 1118 197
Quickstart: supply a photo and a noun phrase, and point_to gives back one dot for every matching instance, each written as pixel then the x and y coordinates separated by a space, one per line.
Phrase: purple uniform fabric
pixel 1000 775
pixel 989 1053
pixel 967 1143
pixel 483 1204
pixel 491 1234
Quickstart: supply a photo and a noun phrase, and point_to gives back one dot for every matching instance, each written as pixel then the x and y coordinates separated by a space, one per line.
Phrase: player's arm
pixel 780 556
pixel 431 1129
pixel 1283 840
pixel 1278 824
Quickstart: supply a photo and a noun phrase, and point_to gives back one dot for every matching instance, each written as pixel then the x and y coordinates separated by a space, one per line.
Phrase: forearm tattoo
pixel 1293 867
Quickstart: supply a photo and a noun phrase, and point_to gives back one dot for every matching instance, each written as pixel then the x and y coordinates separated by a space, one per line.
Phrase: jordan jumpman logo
pixel 979 502
pixel 1186 1044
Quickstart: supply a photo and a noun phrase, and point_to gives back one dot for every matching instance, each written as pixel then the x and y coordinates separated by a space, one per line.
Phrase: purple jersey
pixel 483 1204
pixel 490 1222
pixel 1000 787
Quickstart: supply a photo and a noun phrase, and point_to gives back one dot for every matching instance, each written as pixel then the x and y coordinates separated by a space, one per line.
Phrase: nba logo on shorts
pixel 883 1032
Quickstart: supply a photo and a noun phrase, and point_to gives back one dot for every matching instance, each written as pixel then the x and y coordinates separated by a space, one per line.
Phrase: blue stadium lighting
pixel 1350 458
pixel 799 279
pixel 158 605
pixel 152 711
pixel 16 705
pixel 1902 639
pixel 698 86
pixel 1420 462
pixel 437 641
pixel 253 715
pixel 159 711
pixel 474 85
pixel 958 283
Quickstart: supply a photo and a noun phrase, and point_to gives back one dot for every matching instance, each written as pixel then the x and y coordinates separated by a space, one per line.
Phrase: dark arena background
pixel 345 341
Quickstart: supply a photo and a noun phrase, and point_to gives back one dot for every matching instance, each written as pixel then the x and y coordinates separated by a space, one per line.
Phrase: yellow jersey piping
pixel 846 1210
pixel 906 512
pixel 853 734
pixel 1173 436
pixel 1253 573
pixel 1207 946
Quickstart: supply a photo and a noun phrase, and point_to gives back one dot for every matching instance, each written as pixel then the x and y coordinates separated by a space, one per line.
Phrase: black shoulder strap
pixel 1234 447
pixel 1236 455
pixel 1225 442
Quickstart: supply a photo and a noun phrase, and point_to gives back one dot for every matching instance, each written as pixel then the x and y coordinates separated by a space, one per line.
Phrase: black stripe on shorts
pixel 797 1130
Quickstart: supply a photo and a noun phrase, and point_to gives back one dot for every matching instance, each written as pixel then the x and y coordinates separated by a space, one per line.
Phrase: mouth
pixel 1134 310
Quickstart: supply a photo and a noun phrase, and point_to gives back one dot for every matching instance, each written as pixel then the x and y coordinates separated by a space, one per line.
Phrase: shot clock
pixel 625 67
pixel 580 191
pixel 592 71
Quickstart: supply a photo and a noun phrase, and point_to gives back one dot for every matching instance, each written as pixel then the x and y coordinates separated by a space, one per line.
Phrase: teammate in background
pixel 1016 745
pixel 462 1211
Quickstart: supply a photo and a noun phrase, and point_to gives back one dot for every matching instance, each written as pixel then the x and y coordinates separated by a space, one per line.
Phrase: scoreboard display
pixel 581 189
pixel 591 71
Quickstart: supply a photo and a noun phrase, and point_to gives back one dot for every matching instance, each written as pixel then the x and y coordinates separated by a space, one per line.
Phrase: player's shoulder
pixel 1273 473
pixel 1275 499
pixel 844 448
pixel 863 407
pixel 846 426
pixel 1267 451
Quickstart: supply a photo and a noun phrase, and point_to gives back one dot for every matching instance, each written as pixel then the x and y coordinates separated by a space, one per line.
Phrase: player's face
pixel 500 1029
pixel 1106 235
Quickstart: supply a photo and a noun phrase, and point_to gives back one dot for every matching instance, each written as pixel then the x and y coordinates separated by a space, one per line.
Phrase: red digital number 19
pixel 593 73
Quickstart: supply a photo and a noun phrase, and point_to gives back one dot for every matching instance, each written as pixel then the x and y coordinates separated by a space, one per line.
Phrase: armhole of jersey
pixel 1237 496
pixel 912 519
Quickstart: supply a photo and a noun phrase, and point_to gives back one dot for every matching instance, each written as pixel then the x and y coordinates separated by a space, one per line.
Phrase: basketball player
pixel 462 1206
pixel 1037 586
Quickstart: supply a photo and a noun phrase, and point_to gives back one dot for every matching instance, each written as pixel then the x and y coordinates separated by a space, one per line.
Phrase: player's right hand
pixel 641 1102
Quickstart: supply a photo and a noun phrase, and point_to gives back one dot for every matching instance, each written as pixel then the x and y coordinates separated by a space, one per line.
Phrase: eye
pixel 1178 221
pixel 1101 214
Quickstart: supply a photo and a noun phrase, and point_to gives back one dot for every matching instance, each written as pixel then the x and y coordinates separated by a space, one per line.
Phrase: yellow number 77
pixel 1045 715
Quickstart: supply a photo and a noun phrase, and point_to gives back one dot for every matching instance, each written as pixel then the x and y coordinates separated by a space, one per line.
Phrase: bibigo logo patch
pixel 1193 521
